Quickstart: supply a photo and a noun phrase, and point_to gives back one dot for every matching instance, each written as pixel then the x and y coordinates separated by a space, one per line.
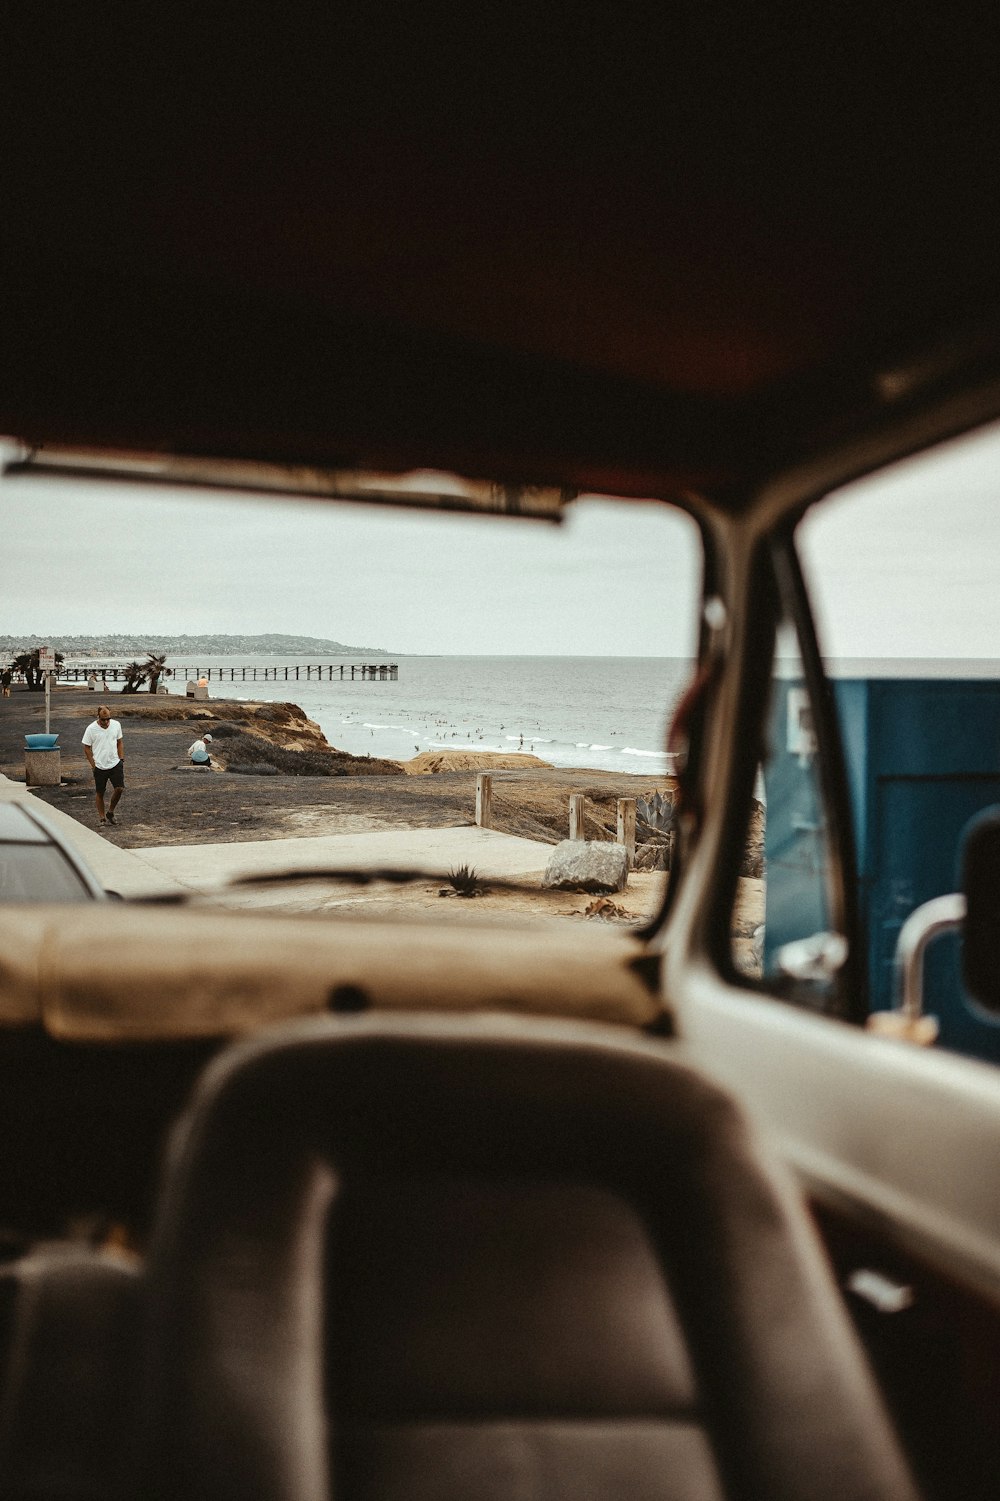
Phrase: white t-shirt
pixel 199 748
pixel 104 743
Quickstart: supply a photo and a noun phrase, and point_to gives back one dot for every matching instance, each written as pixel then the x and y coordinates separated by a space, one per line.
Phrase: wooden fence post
pixel 626 827
pixel 576 802
pixel 484 800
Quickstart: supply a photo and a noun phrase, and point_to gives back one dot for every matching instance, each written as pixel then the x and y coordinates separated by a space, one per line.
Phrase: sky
pixel 81 558
pixel 907 562
pixel 904 563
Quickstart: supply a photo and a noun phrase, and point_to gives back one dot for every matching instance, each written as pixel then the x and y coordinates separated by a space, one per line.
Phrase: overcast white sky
pixel 907 563
pixel 80 558
pixel 904 564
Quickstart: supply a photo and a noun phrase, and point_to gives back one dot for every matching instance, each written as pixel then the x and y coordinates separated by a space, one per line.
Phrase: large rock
pixel 587 865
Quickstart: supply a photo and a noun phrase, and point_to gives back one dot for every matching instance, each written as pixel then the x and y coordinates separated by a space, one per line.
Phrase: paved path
pixel 198 867
pixel 435 850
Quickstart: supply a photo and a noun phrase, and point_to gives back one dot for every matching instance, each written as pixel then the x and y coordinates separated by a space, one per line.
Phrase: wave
pixel 630 750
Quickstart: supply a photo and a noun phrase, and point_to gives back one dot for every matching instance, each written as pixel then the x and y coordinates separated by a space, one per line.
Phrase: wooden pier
pixel 344 672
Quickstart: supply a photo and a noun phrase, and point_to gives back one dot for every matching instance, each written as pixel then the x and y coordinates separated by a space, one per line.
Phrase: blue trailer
pixel 923 757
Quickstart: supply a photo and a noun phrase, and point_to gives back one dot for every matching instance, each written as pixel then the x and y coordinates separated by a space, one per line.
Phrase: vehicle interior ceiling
pixel 729 266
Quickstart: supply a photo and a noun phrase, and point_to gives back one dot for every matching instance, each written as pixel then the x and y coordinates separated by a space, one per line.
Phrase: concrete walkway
pixel 199 867
pixel 438 851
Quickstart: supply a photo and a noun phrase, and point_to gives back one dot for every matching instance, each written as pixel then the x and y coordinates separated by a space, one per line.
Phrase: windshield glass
pixel 38 873
pixel 334 682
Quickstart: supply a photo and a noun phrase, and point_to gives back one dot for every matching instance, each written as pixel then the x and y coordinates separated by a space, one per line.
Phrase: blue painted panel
pixel 926 727
pixel 923 756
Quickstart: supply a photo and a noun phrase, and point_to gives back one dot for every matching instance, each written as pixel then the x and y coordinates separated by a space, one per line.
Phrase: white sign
pixel 802 740
pixel 47 658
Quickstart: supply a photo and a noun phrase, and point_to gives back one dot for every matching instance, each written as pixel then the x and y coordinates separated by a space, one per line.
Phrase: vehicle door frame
pixel 901 1139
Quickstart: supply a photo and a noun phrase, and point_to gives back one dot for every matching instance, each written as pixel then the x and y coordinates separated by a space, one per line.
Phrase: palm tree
pixel 135 676
pixel 152 668
pixel 27 662
pixel 23 663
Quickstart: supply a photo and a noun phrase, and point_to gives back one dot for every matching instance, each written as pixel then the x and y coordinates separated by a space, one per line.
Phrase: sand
pixel 428 762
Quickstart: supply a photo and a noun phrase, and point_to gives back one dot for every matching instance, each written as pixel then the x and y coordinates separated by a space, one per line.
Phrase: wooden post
pixel 576 803
pixel 484 800
pixel 626 827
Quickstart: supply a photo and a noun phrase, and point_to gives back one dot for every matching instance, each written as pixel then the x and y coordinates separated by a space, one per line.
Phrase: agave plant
pixel 465 882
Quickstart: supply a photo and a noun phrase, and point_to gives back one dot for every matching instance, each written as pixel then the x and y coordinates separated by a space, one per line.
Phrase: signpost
pixel 47 665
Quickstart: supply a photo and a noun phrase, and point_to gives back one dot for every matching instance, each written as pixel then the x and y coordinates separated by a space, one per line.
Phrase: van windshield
pixel 305 687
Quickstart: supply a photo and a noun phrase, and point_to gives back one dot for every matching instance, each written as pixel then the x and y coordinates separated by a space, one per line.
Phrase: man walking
pixel 102 746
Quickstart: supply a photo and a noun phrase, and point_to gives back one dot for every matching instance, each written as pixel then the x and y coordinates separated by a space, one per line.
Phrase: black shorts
pixel 114 774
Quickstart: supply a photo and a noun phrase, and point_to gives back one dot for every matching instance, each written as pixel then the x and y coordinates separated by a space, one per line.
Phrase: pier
pixel 344 672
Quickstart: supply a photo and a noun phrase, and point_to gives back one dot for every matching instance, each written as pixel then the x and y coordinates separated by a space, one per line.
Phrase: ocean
pixel 605 713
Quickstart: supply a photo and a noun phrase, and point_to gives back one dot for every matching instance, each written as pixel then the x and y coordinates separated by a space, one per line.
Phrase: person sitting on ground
pixel 199 752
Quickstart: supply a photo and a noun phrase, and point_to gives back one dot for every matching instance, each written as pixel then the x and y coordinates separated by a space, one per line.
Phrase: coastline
pixel 608 713
pixel 167 803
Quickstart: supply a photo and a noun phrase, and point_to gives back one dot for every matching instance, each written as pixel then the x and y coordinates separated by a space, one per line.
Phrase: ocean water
pixel 606 713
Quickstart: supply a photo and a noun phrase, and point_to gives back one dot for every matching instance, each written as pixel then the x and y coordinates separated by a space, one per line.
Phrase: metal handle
pixel 928 922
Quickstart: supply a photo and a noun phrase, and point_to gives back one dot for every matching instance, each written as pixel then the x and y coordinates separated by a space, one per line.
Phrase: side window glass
pixel 783 926
pixel 901 571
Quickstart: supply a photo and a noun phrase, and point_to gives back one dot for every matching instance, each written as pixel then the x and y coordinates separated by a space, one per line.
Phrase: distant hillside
pixel 133 645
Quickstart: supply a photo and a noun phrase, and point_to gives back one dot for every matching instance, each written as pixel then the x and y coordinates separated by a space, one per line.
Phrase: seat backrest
pixel 489 1257
pixel 68 1374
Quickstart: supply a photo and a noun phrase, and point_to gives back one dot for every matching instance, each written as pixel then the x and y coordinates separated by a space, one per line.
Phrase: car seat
pixel 491 1257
